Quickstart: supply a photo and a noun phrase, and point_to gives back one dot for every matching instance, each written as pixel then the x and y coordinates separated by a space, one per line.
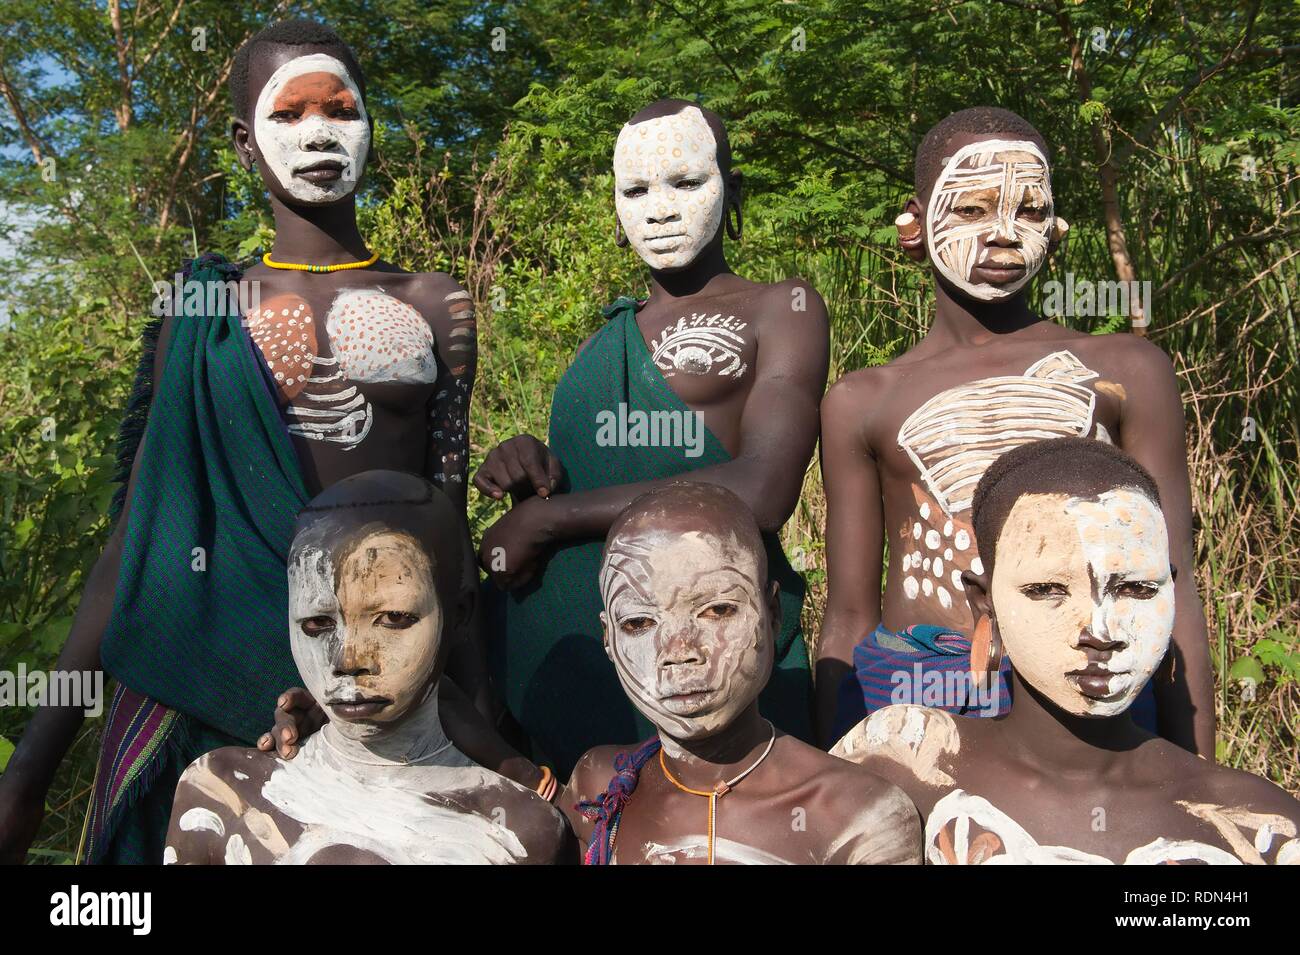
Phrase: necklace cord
pixel 720 789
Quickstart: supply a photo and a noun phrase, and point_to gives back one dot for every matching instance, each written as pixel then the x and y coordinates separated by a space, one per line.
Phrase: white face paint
pixel 373 643
pixel 310 112
pixel 1068 567
pixel 668 188
pixel 688 630
pixel 991 209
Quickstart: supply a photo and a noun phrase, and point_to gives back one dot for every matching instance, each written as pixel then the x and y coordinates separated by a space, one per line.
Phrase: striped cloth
pixel 929 666
pixel 922 665
pixel 545 639
pixel 143 751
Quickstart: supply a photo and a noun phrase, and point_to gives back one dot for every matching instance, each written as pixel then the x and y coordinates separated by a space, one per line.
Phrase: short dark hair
pixel 1082 467
pixel 979 120
pixel 345 513
pixel 288 33
pixel 711 507
pixel 671 107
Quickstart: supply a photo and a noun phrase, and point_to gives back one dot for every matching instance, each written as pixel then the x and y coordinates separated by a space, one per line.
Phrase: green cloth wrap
pixel 545 639
pixel 206 633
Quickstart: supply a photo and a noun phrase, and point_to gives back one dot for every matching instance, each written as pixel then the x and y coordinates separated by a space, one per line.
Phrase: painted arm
pixel 778 431
pixel 52 729
pixel 198 823
pixel 1152 431
pixel 854 541
pixel 447 463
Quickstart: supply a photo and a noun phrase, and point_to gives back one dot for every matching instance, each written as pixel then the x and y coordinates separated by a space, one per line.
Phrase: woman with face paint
pixel 690 624
pixel 375 594
pixel 904 444
pixel 1077 588
pixel 713 375
pixel 339 363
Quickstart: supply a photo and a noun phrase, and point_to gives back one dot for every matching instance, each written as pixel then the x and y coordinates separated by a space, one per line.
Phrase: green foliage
pixel 493 164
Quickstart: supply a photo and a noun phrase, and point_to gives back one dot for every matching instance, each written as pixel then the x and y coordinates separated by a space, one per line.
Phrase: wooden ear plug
pixel 1059 228
pixel 909 236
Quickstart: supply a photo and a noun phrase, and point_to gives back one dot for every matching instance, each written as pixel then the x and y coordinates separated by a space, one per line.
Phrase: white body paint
pixel 669 224
pixel 403 814
pixel 967 812
pixel 200 819
pixel 916 737
pixel 696 848
pixel 374 338
pixel 701 345
pixel 954 437
pixel 957 434
pixel 1015 170
pixel 290 147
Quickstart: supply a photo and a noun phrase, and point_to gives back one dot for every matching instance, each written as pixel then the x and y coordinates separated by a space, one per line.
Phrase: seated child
pixel 1078 589
pixel 374 575
pixel 690 623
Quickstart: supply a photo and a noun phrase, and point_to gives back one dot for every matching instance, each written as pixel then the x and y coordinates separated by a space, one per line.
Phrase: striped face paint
pixel 686 628
pixel 1084 596
pixel 990 218
pixel 312 129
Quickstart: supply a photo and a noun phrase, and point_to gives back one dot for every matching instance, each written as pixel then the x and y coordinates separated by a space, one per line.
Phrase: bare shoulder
pixel 1226 787
pixel 588 781
pixel 876 821
pixel 911 745
pixel 436 295
pixel 224 774
pixel 1130 358
pixel 790 307
pixel 592 773
pixel 857 392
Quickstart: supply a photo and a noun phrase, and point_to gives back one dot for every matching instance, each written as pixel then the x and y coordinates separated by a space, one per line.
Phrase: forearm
pixel 52 729
pixel 1185 704
pixel 842 630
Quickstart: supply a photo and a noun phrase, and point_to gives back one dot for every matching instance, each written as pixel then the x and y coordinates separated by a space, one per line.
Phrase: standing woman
pixel 346 364
pixel 713 375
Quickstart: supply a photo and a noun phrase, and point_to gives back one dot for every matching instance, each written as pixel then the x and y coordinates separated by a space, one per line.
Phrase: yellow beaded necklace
pixel 303 267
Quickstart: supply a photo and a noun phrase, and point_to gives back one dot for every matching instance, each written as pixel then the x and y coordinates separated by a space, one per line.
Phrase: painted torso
pixel 359 359
pixel 246 807
pixel 937 419
pixel 707 347
pixel 983 804
pixel 802 809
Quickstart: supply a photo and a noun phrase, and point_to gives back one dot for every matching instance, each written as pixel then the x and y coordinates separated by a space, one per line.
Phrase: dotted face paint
pixel 954 437
pixel 668 189
pixel 310 112
pixel 1000 192
pixel 1084 597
